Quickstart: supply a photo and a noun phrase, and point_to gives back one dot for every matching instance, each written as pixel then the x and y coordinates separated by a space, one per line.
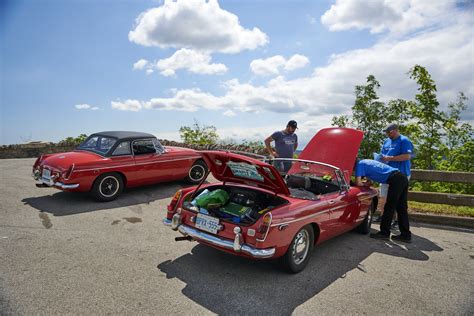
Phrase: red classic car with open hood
pixel 258 212
pixel 107 162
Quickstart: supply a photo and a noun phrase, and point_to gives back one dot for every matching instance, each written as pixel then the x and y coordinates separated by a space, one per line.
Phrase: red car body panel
pixel 330 215
pixel 86 166
pixel 335 146
pixel 270 177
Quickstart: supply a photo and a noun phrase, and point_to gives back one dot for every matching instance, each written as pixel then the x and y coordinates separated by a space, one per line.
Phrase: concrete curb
pixel 445 220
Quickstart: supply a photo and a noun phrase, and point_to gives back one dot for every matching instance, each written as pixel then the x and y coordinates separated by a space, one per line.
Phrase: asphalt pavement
pixel 64 253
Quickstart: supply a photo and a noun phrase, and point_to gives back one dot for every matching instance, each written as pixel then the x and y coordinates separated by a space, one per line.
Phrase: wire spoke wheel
pixel 300 246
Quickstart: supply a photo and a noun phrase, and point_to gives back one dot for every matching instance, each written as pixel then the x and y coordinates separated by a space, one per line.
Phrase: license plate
pixel 46 174
pixel 207 223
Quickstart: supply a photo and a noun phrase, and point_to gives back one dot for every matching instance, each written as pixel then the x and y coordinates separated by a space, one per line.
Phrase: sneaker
pixel 377 219
pixel 379 235
pixel 402 238
pixel 395 224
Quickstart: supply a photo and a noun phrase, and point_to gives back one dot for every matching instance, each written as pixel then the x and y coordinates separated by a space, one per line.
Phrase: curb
pixel 445 220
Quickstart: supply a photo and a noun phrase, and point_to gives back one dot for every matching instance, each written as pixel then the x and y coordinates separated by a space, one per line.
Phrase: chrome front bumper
pixel 223 243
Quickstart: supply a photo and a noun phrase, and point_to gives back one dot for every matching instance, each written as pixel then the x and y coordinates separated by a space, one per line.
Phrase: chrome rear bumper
pixel 57 184
pixel 220 242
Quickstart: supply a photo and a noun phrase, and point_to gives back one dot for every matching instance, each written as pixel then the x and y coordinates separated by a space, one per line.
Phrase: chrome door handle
pixel 331 202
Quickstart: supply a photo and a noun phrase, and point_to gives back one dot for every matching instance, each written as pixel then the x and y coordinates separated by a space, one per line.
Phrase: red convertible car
pixel 107 162
pixel 257 211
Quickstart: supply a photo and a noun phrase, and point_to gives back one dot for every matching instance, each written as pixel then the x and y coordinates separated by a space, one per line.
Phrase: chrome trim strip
pixel 302 160
pixel 217 241
pixel 300 219
pixel 129 165
pixel 338 207
pixel 367 198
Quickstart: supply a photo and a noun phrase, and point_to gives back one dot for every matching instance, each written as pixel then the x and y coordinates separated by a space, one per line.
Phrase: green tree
pixel 368 115
pixel 426 134
pixel 198 134
pixel 73 141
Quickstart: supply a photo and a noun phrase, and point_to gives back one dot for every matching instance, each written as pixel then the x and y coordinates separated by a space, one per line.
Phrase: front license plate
pixel 207 223
pixel 46 174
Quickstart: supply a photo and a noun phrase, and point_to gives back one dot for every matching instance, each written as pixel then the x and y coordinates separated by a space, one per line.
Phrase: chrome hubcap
pixel 109 186
pixel 197 173
pixel 301 246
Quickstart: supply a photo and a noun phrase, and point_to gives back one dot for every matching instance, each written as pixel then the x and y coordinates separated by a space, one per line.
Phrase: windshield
pixel 98 144
pixel 308 179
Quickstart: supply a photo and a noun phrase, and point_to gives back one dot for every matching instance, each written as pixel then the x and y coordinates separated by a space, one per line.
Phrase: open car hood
pixel 229 167
pixel 335 146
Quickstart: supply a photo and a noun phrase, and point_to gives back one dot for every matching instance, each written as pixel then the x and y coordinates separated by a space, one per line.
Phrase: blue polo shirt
pixel 374 170
pixel 394 147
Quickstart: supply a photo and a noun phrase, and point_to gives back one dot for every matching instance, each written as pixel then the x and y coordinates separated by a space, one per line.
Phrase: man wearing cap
pixel 396 197
pixel 397 150
pixel 286 142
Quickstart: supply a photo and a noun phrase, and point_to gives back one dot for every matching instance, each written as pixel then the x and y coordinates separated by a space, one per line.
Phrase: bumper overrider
pixel 235 245
pixel 42 182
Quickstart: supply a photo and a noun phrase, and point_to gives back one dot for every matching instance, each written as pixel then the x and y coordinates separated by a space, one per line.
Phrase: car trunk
pixel 242 205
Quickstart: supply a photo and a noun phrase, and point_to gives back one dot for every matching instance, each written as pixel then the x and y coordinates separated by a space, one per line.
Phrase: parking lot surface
pixel 64 253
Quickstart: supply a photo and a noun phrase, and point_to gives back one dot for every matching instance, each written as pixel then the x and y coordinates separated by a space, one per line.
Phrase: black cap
pixel 390 127
pixel 292 123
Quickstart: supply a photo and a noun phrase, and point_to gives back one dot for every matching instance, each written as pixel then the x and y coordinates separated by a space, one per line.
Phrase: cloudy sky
pixel 246 67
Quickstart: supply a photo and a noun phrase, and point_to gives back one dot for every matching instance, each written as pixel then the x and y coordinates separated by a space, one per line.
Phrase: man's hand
pixel 401 157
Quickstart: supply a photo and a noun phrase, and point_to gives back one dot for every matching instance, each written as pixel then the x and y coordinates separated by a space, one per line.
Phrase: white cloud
pixel 196 24
pixel 274 65
pixel 268 66
pixel 140 64
pixel 445 52
pixel 229 113
pixel 193 61
pixel 398 17
pixel 85 107
pixel 296 61
pixel 127 105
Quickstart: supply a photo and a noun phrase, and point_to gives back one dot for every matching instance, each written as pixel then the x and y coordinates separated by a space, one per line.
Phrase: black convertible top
pixel 125 135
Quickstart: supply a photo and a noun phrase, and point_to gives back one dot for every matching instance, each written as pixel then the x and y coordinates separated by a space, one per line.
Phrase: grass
pixel 440 209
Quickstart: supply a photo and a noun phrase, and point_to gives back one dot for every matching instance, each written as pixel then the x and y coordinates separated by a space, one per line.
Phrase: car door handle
pixel 331 202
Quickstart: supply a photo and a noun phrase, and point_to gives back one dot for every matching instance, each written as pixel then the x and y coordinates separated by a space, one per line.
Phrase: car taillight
pixel 174 201
pixel 36 164
pixel 264 227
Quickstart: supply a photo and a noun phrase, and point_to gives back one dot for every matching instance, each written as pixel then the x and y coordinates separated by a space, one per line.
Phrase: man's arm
pixel 401 157
pixel 270 151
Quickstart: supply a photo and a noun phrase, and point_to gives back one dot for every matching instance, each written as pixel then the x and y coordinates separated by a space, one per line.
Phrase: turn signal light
pixel 174 201
pixel 264 227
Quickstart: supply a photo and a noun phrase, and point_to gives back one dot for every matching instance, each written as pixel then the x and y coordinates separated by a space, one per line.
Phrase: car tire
pixel 299 252
pixel 364 227
pixel 197 172
pixel 107 187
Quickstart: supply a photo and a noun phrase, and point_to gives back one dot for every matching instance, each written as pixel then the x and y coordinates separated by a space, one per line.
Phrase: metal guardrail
pixel 442 198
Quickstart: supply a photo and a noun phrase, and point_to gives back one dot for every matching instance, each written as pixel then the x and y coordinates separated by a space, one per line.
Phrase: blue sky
pixel 246 67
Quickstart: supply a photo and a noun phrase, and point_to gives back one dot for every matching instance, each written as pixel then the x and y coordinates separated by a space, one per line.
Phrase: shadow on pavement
pixel 227 284
pixel 70 203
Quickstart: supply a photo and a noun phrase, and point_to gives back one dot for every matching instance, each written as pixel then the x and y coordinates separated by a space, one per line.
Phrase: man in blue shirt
pixel 396 197
pixel 397 151
pixel 286 142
